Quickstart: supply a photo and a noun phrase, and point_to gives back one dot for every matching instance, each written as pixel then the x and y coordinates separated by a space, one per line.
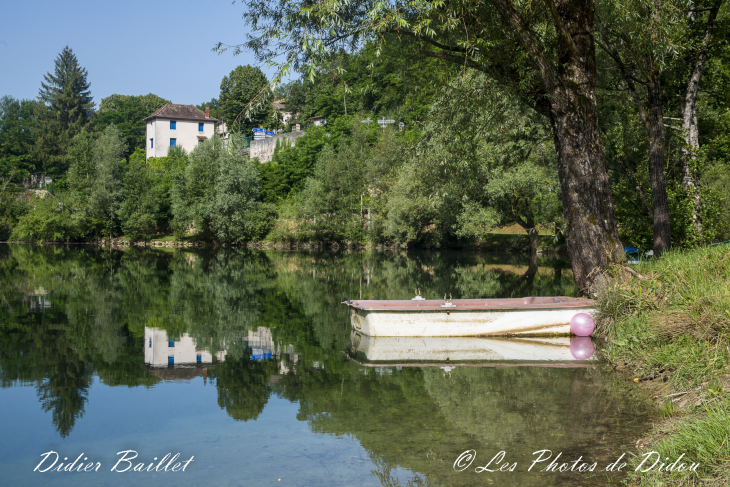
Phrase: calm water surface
pixel 238 359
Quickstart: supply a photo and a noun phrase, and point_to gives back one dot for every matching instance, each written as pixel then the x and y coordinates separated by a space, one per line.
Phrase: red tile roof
pixel 187 112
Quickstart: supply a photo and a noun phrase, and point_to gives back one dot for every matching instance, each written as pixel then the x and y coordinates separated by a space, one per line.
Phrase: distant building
pixel 177 125
pixel 318 120
pixel 285 115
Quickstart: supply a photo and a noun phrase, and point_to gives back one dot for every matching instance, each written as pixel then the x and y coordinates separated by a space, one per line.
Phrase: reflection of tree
pixel 422 419
pixel 65 392
pixel 102 300
pixel 243 387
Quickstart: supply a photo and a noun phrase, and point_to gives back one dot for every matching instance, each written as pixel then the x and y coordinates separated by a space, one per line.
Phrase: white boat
pixel 420 351
pixel 532 316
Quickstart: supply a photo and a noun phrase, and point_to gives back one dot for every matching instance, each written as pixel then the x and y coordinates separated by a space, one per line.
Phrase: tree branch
pixel 561 29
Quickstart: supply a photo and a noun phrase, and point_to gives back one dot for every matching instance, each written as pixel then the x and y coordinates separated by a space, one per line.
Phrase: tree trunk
pixel 592 234
pixel 653 120
pixel 534 245
pixel 690 178
pixel 657 142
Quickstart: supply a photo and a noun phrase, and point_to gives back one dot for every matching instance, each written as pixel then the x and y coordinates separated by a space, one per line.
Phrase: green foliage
pixel 48 220
pixel 127 113
pixel 216 191
pixel 238 89
pixel 333 198
pixel 142 213
pixel 17 120
pixel 286 174
pixel 64 109
pixel 397 82
pixel 107 189
pixel 715 181
pixel 484 159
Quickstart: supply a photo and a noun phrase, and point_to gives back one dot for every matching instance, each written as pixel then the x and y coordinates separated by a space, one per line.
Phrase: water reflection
pixel 262 327
pixel 525 351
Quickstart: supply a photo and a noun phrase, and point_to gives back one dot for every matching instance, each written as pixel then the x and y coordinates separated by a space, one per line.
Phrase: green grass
pixel 671 325
pixel 703 437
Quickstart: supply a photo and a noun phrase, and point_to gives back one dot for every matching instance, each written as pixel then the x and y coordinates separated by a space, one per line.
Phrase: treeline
pixel 471 157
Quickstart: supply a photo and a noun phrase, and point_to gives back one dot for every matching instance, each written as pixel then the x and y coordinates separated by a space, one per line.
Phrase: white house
pixel 177 125
pixel 318 120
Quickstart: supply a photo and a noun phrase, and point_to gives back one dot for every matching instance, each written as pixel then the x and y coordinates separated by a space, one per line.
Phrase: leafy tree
pixel 47 220
pixel 238 89
pixel 333 197
pixel 127 113
pixel 484 160
pixel 81 178
pixel 64 109
pixel 217 190
pixel 141 212
pixel 107 188
pixel 290 166
pixel 543 53
pixel 17 119
pixel 149 102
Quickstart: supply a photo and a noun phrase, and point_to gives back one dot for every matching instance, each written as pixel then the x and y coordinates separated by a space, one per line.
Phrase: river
pixel 241 361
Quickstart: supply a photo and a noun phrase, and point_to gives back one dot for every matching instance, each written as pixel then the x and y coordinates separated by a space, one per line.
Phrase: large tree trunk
pixel 657 143
pixel 591 234
pixel 690 177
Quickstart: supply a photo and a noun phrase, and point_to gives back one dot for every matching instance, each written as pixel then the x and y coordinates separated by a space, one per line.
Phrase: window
pixel 150 342
pixel 173 125
pixel 173 142
pixel 200 127
pixel 170 360
pixel 199 358
pixel 171 344
pixel 152 143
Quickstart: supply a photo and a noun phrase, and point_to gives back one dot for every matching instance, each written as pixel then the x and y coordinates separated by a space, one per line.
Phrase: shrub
pixel 48 221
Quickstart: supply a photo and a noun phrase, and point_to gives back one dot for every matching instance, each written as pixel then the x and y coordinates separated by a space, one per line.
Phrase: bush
pixel 260 219
pixel 48 221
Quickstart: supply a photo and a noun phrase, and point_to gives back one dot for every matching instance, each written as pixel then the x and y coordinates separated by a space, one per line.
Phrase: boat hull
pixel 468 318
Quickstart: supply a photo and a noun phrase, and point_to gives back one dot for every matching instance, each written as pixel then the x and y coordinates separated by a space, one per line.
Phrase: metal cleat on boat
pixel 447 302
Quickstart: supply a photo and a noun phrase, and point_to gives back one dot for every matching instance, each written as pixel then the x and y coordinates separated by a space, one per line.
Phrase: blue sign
pixel 270 133
pixel 259 130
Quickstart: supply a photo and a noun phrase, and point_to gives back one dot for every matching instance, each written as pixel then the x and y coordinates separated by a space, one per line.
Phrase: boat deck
pixel 471 304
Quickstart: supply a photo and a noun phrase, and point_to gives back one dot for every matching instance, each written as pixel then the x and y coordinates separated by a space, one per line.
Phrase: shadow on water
pixel 258 325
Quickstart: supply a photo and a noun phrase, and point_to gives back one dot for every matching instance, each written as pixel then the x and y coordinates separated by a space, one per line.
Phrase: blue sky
pixel 130 47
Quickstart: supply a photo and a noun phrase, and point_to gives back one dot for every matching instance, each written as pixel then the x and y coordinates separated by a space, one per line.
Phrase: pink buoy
pixel 581 348
pixel 581 324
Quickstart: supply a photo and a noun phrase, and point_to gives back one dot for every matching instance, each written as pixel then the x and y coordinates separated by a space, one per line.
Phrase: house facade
pixel 318 120
pixel 177 125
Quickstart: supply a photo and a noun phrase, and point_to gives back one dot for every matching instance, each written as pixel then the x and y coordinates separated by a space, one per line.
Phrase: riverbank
pixel 667 326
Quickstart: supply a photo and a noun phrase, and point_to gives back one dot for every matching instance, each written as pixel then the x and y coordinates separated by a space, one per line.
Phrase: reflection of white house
pixel 177 125
pixel 160 351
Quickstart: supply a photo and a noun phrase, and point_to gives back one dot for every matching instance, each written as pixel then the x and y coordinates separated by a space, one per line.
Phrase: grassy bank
pixel 668 327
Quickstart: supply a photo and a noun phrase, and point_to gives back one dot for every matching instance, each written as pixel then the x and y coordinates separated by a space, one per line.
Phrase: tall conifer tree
pixel 64 110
